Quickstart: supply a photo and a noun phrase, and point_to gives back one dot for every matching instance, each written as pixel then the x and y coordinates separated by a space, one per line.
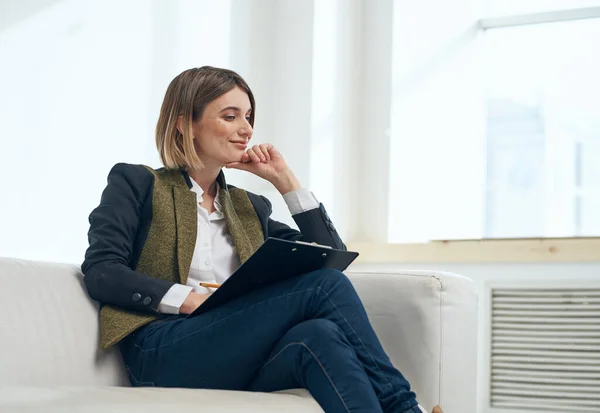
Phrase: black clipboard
pixel 276 260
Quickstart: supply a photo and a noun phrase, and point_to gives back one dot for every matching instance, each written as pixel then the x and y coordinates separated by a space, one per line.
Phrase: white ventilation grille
pixel 545 350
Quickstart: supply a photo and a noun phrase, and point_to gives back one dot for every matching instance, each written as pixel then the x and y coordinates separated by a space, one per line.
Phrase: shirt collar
pixel 199 192
pixel 220 179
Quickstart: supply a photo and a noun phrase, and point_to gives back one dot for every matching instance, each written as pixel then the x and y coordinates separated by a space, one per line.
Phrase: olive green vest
pixel 167 253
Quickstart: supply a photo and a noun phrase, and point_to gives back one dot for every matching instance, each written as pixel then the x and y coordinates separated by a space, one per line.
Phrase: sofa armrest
pixel 427 323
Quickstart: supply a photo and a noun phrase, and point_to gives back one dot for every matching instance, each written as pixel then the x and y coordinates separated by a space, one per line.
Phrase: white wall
pixel 74 101
pixel 82 82
pixel 482 273
pixel 272 48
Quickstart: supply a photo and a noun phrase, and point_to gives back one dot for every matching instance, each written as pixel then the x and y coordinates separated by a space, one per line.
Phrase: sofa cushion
pixel 50 328
pixel 150 399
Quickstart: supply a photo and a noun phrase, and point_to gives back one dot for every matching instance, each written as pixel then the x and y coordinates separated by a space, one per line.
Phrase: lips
pixel 240 144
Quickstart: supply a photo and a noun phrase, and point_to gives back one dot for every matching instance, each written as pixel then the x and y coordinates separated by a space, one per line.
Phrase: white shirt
pixel 215 257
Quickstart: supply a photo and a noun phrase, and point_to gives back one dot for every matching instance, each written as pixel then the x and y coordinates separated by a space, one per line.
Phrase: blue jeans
pixel 310 331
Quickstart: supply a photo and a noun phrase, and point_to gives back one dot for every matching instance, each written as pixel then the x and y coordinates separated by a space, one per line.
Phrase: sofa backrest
pixel 49 328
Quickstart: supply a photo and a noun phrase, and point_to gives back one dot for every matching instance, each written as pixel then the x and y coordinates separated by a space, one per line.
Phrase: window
pixel 495 123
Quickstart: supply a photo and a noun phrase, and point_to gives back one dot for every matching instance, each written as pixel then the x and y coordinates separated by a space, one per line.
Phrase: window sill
pixel 481 251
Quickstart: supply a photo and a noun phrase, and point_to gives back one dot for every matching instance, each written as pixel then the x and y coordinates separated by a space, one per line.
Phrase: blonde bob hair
pixel 187 96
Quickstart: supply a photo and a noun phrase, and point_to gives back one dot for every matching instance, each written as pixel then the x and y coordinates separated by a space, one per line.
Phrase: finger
pixel 272 150
pixel 264 148
pixel 246 158
pixel 257 150
pixel 238 165
pixel 253 156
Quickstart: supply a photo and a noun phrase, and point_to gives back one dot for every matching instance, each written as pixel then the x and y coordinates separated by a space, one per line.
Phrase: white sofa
pixel 50 361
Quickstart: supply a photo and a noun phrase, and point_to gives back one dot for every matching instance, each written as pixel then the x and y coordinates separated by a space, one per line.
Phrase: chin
pixel 231 158
pixel 236 154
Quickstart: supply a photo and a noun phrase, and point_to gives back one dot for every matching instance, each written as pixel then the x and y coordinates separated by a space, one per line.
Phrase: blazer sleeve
pixel 107 268
pixel 315 226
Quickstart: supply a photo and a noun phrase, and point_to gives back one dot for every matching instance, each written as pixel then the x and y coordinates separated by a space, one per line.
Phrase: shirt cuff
pixel 300 200
pixel 174 298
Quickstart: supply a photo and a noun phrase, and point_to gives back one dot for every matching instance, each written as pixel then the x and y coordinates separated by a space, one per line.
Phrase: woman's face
pixel 222 134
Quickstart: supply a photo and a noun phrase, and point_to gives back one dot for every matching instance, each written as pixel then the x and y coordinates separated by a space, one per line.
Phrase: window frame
pixel 529 250
pixel 528 19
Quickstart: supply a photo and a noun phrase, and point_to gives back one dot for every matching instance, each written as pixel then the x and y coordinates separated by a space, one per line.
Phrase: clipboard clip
pixel 314 244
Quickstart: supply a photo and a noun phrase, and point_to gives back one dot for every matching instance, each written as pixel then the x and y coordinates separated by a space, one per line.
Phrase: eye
pixel 229 118
pixel 249 119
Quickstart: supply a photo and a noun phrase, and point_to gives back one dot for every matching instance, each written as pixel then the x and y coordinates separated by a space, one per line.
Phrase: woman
pixel 158 234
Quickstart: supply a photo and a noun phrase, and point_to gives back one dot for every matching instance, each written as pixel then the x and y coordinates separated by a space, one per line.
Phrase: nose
pixel 246 130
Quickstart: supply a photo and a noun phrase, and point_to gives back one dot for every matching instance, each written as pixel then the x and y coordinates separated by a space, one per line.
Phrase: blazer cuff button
pixel 136 297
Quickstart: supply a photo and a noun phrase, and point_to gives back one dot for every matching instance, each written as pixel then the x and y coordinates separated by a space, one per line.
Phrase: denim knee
pixel 318 329
pixel 329 275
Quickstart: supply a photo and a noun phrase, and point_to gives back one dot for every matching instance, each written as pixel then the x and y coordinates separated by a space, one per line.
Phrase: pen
pixel 211 285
